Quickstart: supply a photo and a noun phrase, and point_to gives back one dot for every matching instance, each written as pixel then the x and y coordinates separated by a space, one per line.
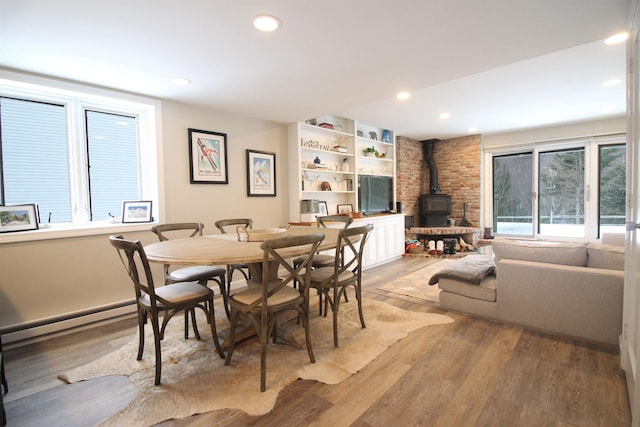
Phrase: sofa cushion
pixel 549 252
pixel 485 291
pixel 605 256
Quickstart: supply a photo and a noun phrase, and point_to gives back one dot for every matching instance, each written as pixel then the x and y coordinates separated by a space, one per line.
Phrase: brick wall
pixel 458 162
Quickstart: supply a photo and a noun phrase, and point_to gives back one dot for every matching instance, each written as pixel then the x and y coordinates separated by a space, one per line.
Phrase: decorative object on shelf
pixel 261 174
pixel 324 210
pixel 386 136
pixel 312 122
pixel 208 157
pixel 345 208
pixel 370 151
pixel 317 160
pixel 325 186
pixel 326 125
pixel 487 233
pixel 18 218
pixel 360 133
pixel 373 135
pixel 345 165
pixel 136 211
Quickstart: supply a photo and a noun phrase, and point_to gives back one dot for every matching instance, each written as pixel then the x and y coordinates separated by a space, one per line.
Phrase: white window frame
pixel 77 99
pixel 590 146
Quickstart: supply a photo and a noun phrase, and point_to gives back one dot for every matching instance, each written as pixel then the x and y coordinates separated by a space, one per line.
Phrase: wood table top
pixel 220 249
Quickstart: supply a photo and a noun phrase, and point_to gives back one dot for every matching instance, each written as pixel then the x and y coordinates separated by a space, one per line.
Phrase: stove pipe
pixel 427 153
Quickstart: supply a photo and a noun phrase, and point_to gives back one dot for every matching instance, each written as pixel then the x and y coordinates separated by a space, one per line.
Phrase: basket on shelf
pixel 258 234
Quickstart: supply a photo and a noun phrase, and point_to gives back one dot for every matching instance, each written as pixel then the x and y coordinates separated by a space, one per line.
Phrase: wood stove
pixel 434 210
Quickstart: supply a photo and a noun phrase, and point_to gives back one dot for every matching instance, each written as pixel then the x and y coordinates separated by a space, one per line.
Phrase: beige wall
pixel 50 278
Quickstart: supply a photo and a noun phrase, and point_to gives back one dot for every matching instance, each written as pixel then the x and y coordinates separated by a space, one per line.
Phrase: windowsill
pixel 63 231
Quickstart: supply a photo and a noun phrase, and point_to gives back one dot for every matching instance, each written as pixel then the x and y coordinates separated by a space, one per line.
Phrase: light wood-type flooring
pixel 469 373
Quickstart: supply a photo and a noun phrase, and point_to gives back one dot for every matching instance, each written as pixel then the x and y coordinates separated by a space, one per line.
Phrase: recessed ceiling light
pixel 612 82
pixel 266 23
pixel 403 95
pixel 445 115
pixel 473 130
pixel 179 81
pixel 617 38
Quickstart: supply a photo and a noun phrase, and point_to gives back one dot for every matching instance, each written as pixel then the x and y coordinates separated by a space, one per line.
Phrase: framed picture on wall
pixel 261 174
pixel 208 157
pixel 18 218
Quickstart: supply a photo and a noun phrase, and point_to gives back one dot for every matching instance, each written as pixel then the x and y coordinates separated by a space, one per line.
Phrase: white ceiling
pixel 496 65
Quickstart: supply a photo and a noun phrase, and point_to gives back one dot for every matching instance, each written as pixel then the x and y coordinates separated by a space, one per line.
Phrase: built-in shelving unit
pixel 332 149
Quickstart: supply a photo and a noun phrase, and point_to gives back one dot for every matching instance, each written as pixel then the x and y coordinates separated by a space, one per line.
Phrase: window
pixel 77 154
pixel 573 189
pixel 561 189
pixel 512 194
pixel 612 188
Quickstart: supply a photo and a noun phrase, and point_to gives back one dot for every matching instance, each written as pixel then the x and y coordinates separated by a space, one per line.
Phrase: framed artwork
pixel 136 211
pixel 18 218
pixel 208 157
pixel 324 211
pixel 261 173
pixel 347 208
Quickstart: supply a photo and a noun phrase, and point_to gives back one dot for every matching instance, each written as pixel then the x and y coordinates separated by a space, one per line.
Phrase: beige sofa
pixel 563 288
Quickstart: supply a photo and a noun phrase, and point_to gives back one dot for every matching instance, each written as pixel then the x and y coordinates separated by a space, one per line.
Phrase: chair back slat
pixel 351 242
pixel 222 224
pixel 167 231
pixel 326 221
pixel 136 262
pixel 277 250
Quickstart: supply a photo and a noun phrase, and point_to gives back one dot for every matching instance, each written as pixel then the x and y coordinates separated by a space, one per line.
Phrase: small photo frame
pixel 18 218
pixel 139 211
pixel 261 174
pixel 346 208
pixel 324 211
pixel 208 157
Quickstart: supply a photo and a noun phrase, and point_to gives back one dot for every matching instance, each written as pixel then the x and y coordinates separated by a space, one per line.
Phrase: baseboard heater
pixel 29 331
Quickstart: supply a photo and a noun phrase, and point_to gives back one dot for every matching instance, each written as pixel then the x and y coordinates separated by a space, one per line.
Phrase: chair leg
pixel 195 325
pixel 335 306
pixel 359 298
pixel 214 331
pixel 307 332
pixel 232 335
pixel 156 341
pixel 142 319
pixel 264 337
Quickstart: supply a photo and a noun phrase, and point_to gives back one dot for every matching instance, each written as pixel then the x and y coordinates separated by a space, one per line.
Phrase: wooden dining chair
pixel 266 298
pixel 196 273
pixel 346 272
pixel 225 226
pixel 327 260
pixel 167 300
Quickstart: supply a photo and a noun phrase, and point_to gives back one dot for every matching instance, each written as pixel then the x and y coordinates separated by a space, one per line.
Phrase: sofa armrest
pixel 576 301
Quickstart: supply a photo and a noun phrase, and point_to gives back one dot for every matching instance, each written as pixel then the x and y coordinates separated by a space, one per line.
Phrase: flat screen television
pixel 375 194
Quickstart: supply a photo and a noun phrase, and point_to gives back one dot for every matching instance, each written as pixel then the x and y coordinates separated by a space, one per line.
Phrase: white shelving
pixel 333 149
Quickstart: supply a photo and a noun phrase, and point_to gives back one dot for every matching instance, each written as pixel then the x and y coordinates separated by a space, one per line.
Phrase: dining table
pixel 220 249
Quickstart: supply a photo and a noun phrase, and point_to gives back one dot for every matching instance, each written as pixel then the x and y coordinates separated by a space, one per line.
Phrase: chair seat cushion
pixel 177 293
pixel 324 273
pixel 254 292
pixel 320 260
pixel 195 273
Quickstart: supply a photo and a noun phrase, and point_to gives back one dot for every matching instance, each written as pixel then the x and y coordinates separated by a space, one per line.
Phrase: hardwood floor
pixel 468 373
